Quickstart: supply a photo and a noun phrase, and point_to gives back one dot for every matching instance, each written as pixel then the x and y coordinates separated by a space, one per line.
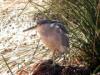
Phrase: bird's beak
pixel 33 27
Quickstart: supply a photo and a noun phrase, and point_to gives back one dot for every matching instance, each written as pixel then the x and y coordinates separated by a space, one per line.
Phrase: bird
pixel 54 35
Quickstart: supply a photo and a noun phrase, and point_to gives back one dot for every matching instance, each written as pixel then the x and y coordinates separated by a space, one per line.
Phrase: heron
pixel 54 35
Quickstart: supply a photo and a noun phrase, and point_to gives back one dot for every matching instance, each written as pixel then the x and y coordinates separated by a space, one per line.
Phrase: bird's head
pixel 39 23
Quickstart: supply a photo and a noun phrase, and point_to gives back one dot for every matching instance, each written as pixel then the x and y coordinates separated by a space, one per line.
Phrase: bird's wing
pixel 65 40
pixel 61 26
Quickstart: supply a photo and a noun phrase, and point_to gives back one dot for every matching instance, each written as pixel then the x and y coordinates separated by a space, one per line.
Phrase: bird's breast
pixel 52 38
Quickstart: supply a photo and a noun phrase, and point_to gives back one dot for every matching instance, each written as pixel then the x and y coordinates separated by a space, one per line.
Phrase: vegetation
pixel 82 17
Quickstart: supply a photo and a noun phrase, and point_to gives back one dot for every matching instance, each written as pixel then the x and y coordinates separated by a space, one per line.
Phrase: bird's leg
pixel 53 57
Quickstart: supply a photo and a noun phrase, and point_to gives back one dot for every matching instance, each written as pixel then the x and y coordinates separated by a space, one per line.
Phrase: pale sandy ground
pixel 16 46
